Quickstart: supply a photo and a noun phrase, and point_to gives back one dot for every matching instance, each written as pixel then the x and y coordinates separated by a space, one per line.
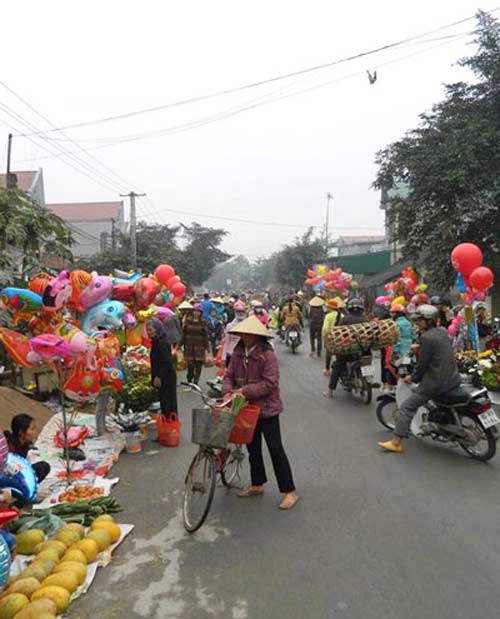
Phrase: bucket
pixel 133 442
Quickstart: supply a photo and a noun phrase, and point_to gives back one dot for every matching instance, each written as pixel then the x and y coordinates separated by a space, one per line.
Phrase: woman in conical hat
pixel 254 372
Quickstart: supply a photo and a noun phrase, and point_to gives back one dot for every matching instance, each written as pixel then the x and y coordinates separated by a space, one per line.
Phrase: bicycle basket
pixel 211 428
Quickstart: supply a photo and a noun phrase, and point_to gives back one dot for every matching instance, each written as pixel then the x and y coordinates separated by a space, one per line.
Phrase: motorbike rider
pixel 291 317
pixel 355 315
pixel 436 372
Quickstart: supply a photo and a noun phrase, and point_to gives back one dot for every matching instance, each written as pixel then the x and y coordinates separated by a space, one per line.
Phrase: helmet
pixel 427 312
pixel 398 308
pixel 435 300
pixel 355 305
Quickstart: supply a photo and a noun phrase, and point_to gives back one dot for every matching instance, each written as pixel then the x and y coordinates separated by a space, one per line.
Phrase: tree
pixel 201 253
pixel 237 270
pixel 27 231
pixel 450 165
pixel 294 259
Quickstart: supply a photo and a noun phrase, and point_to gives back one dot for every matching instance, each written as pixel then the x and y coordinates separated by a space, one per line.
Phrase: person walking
pixel 254 372
pixel 196 344
pixel 332 318
pixel 230 340
pixel 316 318
pixel 215 329
pixel 163 374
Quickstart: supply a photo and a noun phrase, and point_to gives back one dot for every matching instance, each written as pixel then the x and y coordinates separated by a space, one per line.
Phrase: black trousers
pixel 42 469
pixel 168 393
pixel 270 428
pixel 338 367
pixel 194 371
pixel 315 337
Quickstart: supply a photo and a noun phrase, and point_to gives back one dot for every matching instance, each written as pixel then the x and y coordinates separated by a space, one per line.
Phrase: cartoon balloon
pixel 145 291
pixel 163 273
pixel 98 290
pixel 57 293
pixel 19 477
pixel 466 257
pixel 5 561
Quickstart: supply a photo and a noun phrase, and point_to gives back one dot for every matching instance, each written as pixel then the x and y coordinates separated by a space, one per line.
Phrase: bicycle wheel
pixel 231 471
pixel 199 490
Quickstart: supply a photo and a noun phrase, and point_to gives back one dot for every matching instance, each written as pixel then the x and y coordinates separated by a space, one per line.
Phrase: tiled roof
pixel 24 179
pixel 353 240
pixel 87 211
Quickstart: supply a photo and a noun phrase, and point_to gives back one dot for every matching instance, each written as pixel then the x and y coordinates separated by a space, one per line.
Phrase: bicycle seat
pixel 458 397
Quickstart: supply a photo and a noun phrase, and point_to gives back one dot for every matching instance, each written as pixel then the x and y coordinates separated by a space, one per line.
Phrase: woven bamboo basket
pixel 355 339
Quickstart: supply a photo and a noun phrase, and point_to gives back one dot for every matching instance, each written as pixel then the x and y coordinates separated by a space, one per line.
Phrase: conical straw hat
pixel 185 305
pixel 316 302
pixel 251 326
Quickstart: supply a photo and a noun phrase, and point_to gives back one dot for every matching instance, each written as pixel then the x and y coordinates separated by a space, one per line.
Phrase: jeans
pixel 270 428
pixel 407 411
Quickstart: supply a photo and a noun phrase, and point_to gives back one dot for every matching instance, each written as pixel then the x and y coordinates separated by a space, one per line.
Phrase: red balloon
pixel 178 289
pixel 466 257
pixel 173 280
pixel 310 273
pixel 316 280
pixel 481 279
pixel 163 273
pixel 145 290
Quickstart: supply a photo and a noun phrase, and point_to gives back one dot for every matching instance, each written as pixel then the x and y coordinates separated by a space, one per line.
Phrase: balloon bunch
pixel 335 280
pixel 77 322
pixel 405 291
pixel 473 280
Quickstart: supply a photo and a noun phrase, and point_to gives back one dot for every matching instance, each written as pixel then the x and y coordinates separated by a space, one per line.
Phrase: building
pixel 30 181
pixel 94 225
pixel 354 245
pixel 389 201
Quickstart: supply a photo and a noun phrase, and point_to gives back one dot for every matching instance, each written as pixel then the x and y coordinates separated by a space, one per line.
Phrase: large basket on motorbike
pixel 211 427
pixel 358 338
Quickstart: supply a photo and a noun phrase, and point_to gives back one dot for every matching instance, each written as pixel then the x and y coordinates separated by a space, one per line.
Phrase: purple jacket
pixel 259 379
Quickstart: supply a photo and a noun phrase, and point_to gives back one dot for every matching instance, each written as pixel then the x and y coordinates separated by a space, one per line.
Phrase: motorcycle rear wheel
pixel 387 413
pixel 488 442
pixel 362 387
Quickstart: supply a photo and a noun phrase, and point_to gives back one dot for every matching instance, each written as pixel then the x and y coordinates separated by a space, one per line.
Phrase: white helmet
pixel 428 312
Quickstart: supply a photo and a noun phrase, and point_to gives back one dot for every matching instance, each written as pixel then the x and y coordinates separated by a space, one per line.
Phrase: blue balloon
pixel 4 562
pixel 19 477
pixel 460 283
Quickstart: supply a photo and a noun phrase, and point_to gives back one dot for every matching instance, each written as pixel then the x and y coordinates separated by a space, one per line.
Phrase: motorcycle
pixel 463 418
pixel 358 377
pixel 293 338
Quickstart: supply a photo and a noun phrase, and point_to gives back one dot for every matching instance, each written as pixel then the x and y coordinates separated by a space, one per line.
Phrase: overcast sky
pixel 80 61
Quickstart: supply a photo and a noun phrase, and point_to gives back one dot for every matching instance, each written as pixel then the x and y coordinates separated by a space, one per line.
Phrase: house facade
pixel 94 225
pixel 30 181
pixel 355 245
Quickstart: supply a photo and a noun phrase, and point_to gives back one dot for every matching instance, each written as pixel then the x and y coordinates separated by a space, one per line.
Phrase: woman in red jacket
pixel 254 372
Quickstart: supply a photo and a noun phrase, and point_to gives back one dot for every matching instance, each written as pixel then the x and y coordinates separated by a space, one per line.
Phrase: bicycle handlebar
pixel 211 402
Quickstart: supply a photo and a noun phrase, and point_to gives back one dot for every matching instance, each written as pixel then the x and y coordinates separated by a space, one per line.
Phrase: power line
pixel 250 105
pixel 270 80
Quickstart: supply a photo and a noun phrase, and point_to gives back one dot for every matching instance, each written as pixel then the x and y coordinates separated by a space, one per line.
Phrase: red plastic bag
pixel 168 430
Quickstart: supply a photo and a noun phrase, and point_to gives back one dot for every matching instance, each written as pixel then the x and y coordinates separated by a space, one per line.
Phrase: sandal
pixel 289 501
pixel 250 491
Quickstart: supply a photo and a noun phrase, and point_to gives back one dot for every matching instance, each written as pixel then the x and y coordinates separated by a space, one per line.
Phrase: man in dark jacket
pixel 316 318
pixel 436 372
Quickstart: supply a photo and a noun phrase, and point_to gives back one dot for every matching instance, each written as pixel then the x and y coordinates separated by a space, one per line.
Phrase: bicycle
pixel 223 459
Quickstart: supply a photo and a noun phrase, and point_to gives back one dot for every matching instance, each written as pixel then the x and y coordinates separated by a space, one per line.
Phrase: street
pixel 374 535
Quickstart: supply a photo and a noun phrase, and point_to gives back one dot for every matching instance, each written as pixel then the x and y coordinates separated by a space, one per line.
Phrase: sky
pixel 272 164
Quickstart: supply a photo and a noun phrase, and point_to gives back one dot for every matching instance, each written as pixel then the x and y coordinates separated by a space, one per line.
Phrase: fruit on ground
pixel 89 548
pixel 74 526
pixel 40 609
pixel 27 541
pixel 49 554
pixel 58 595
pixel 52 544
pixel 67 536
pixel 104 518
pixel 11 604
pixel 68 580
pixel 26 586
pixel 73 554
pixel 103 538
pixel 112 528
pixel 38 569
pixel 79 570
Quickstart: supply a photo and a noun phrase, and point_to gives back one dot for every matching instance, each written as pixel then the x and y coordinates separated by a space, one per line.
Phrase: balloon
pixel 163 273
pixel 4 450
pixel 466 257
pixel 107 315
pixel 19 477
pixel 460 283
pixel 123 291
pixel 57 293
pixel 39 282
pixel 83 383
pixel 5 561
pixel 481 279
pixel 310 273
pixel 321 270
pixel 51 347
pixel 98 290
pixel 479 296
pixel 381 301
pixel 79 281
pixel 145 291
pixel 172 281
pixel 18 348
pixel 178 290
pixel 399 300
pixel 22 303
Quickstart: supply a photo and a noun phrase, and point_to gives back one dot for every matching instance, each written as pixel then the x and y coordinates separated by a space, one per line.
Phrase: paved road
pixel 375 535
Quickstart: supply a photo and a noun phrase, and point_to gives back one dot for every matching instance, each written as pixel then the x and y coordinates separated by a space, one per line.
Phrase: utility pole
pixel 9 150
pixel 133 224
pixel 327 222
